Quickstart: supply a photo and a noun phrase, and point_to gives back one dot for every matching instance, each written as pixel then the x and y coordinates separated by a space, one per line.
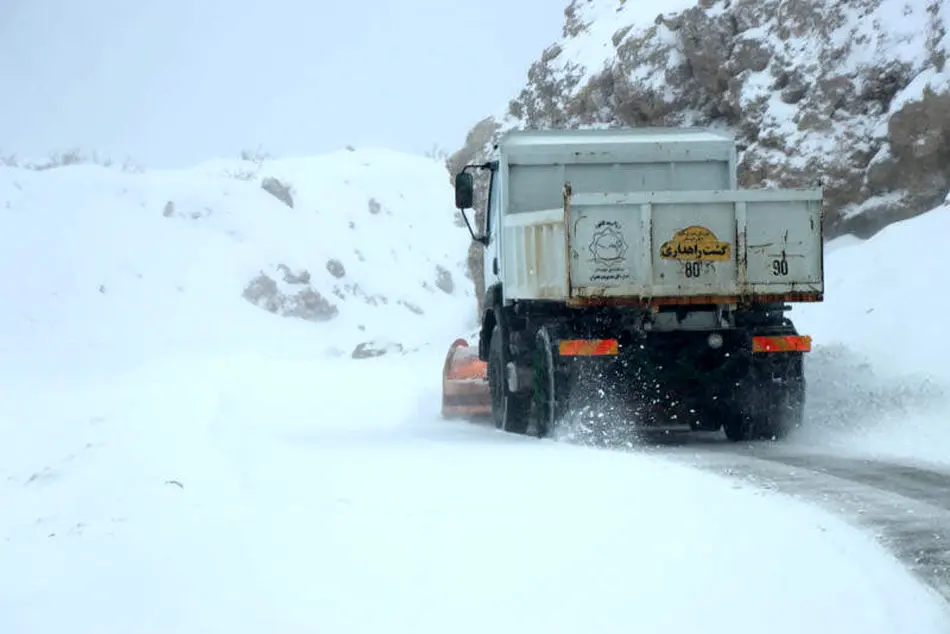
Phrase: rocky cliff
pixel 854 92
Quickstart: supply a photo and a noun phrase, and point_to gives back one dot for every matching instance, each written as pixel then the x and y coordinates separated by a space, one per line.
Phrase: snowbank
pixel 106 267
pixel 879 380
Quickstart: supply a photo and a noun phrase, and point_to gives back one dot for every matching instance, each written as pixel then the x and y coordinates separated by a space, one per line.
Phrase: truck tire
pixel 510 411
pixel 767 408
pixel 750 415
pixel 548 386
pixel 738 423
pixel 788 412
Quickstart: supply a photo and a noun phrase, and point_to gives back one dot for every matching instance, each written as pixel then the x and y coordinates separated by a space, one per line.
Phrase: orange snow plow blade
pixel 464 382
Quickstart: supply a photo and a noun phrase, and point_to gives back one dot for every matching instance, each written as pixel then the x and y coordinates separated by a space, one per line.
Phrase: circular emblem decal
pixel 608 246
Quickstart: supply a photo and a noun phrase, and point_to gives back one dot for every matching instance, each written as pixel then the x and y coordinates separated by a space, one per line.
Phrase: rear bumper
pixel 690 363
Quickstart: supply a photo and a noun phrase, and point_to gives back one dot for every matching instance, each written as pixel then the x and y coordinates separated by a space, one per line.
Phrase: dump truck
pixel 626 265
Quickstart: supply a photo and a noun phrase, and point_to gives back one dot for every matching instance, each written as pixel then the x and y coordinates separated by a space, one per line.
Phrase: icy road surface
pixel 904 504
pixel 236 494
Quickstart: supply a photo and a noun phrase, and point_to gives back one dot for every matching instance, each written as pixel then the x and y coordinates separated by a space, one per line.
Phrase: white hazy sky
pixel 174 82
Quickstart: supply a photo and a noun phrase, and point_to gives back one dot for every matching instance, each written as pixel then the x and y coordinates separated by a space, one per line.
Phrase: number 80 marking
pixel 694 269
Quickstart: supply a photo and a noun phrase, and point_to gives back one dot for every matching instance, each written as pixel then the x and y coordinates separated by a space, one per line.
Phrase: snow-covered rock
pixel 351 250
pixel 853 91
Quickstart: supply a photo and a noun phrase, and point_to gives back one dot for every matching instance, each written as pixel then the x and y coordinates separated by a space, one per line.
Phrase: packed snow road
pixel 904 504
pixel 232 493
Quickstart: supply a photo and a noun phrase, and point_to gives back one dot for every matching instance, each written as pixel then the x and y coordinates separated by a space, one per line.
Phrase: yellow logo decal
pixel 695 243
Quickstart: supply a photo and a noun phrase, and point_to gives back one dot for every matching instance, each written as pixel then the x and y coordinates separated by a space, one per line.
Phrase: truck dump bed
pixel 651 219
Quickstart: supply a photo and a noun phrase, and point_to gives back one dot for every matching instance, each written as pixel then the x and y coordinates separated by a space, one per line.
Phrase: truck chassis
pixel 747 379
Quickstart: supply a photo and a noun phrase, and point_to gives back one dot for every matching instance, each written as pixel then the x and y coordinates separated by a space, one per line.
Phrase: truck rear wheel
pixel 769 403
pixel 788 411
pixel 510 410
pixel 548 385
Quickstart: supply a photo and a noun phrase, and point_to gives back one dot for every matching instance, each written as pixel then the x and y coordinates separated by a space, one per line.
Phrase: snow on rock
pixel 103 258
pixel 878 377
pixel 854 92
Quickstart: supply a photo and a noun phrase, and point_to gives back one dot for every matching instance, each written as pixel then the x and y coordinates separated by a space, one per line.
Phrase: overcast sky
pixel 174 82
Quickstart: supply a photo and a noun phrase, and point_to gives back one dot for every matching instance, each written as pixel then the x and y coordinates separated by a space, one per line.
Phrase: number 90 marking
pixel 780 267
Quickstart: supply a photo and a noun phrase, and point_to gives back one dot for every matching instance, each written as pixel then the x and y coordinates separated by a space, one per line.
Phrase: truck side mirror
pixel 464 190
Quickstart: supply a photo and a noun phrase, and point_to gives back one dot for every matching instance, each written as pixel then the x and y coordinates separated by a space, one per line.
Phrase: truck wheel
pixel 788 410
pixel 509 410
pixel 748 411
pixel 547 386
pixel 765 409
pixel 738 425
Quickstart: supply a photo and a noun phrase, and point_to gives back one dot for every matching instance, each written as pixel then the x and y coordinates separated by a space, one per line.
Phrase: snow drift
pixel 878 377
pixel 168 260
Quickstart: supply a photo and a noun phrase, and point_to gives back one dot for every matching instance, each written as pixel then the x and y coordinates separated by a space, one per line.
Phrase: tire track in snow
pixel 906 507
